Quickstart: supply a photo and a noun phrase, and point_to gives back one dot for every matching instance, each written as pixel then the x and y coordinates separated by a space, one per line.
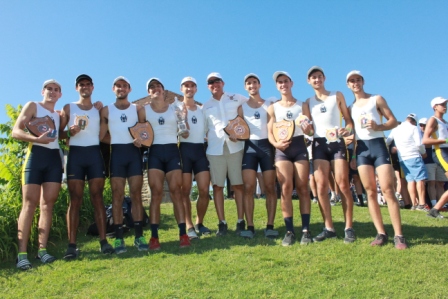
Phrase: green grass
pixel 232 267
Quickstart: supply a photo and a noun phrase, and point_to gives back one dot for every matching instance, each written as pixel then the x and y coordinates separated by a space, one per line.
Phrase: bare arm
pixel 342 105
pixel 384 110
pixel 430 129
pixel 104 125
pixel 307 127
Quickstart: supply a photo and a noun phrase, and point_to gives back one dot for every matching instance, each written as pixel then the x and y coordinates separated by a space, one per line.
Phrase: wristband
pixel 68 133
pixel 446 140
pixel 353 157
pixel 349 130
pixel 311 133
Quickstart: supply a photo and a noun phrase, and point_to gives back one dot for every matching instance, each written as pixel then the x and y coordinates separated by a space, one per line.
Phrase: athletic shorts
pixel 296 151
pixel 311 172
pixel 435 172
pixel 414 169
pixel 193 157
pixel 225 165
pixel 125 161
pixel 85 161
pixel 42 165
pixel 372 152
pixel 164 157
pixel 440 156
pixel 329 151
pixel 258 152
pixel 351 171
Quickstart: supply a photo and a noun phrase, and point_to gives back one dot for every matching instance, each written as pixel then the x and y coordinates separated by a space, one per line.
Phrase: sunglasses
pixel 213 81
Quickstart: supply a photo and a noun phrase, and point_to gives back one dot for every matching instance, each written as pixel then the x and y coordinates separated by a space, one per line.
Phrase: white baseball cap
pixel 423 120
pixel 122 79
pixel 153 79
pixel 251 75
pixel 187 79
pixel 214 75
pixel 278 73
pixel 437 101
pixel 413 116
pixel 51 81
pixel 353 73
pixel 312 69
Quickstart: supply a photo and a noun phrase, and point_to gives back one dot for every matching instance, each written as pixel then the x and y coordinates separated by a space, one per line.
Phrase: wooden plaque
pixel 332 135
pixel 239 128
pixel 40 125
pixel 143 132
pixel 283 130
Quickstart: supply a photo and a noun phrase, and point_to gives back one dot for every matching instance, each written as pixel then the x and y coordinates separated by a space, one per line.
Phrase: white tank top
pixel 164 125
pixel 257 120
pixel 289 113
pixel 119 123
pixel 91 118
pixel 325 114
pixel 442 132
pixel 41 112
pixel 196 122
pixel 364 113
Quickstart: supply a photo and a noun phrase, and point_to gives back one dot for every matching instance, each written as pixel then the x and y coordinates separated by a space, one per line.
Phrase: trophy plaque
pixel 82 121
pixel 302 119
pixel 332 135
pixel 239 128
pixel 283 130
pixel 40 125
pixel 143 132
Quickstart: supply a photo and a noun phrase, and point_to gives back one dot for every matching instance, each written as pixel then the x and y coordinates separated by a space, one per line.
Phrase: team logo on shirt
pixel 161 121
pixel 194 119
pixel 257 115
pixel 123 118
pixel 323 109
pixel 289 114
pixel 232 98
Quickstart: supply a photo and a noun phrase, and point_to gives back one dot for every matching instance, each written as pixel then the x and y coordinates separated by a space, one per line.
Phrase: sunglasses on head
pixel 213 81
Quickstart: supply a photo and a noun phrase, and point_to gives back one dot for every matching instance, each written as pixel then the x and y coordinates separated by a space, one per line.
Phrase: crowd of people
pixel 309 147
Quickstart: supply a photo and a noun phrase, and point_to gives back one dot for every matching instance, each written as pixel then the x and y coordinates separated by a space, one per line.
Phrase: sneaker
pixel 270 233
pixel 240 226
pixel 306 238
pixel 424 208
pixel 380 240
pixel 191 233
pixel 141 244
pixel 107 249
pixel 154 244
pixel 289 239
pixel 222 229
pixel 400 242
pixel 203 230
pixel 325 234
pixel 401 203
pixel 184 241
pixel 71 254
pixel 119 246
pixel 314 200
pixel 413 208
pixel 350 236
pixel 248 234
pixel 434 214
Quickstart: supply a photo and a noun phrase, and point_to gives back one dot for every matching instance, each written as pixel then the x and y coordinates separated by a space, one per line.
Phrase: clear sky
pixel 400 46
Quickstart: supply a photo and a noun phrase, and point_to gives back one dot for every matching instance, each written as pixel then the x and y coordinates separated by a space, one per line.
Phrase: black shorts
pixel 193 157
pixel 329 151
pixel 164 157
pixel 125 161
pixel 258 152
pixel 440 156
pixel 85 161
pixel 296 151
pixel 42 165
pixel 372 152
pixel 311 172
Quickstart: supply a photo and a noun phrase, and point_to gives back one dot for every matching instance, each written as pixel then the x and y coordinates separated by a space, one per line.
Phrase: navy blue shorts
pixel 42 165
pixel 85 161
pixel 258 152
pixel 296 151
pixel 164 157
pixel 329 151
pixel 193 157
pixel 372 152
pixel 125 161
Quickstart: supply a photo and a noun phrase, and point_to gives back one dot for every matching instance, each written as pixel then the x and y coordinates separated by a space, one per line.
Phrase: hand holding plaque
pixel 143 132
pixel 41 125
pixel 181 117
pixel 283 130
pixel 238 127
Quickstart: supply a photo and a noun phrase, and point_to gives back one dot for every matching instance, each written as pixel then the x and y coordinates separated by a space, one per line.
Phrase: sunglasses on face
pixel 213 81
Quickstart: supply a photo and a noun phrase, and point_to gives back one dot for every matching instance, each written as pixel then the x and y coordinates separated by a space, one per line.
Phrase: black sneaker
pixel 203 230
pixel 107 249
pixel 71 254
pixel 222 229
pixel 306 238
pixel 240 226
pixel 325 234
pixel 289 239
pixel 434 214
pixel 380 240
pixel 350 236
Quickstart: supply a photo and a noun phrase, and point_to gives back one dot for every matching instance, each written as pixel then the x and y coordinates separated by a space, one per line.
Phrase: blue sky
pixel 400 46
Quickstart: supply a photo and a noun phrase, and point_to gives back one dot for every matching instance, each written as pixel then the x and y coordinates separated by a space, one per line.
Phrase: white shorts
pixel 435 173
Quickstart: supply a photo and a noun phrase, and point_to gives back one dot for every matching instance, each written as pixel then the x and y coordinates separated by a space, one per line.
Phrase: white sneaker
pixel 191 233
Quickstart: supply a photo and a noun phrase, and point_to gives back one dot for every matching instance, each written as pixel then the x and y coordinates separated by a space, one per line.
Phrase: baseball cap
pixel 51 81
pixel 278 73
pixel 153 79
pixel 353 73
pixel 83 77
pixel 187 79
pixel 413 116
pixel 251 75
pixel 312 69
pixel 123 79
pixel 214 75
pixel 423 120
pixel 438 100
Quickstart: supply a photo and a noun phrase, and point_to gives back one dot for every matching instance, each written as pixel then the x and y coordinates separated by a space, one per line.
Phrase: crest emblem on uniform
pixel 161 121
pixel 123 118
pixel 257 115
pixel 289 114
pixel 194 119
pixel 323 109
pixel 82 121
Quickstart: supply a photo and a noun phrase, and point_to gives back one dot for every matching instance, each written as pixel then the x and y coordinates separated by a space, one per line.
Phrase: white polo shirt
pixel 407 140
pixel 216 117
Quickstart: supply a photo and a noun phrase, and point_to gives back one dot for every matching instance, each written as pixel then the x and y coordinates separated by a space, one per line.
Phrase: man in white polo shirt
pixel 410 150
pixel 225 153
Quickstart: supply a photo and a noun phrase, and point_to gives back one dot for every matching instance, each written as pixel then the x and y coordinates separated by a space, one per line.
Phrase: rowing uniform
pixel 441 150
